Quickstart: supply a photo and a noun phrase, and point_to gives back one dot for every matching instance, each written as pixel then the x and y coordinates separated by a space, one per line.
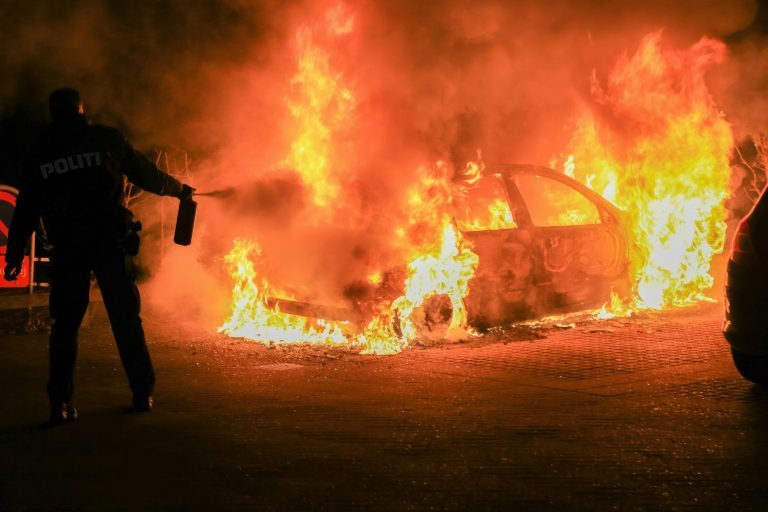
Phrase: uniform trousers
pixel 70 285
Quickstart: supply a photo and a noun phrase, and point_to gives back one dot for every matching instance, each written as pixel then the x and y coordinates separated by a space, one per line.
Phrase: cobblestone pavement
pixel 639 414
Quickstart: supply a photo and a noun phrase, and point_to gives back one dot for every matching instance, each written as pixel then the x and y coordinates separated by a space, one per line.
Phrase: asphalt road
pixel 637 414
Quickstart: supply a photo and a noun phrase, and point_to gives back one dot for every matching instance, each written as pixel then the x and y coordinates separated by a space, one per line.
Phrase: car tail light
pixel 743 250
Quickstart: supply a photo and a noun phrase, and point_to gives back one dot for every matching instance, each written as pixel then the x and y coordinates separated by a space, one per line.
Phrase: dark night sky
pixel 129 59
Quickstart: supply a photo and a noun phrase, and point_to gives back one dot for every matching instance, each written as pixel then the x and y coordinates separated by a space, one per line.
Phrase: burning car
pixel 544 242
pixel 505 243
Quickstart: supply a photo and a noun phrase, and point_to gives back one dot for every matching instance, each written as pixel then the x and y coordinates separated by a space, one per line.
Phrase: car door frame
pixel 502 304
pixel 594 288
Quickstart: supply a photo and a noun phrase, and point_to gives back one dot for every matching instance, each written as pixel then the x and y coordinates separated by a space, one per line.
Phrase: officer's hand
pixel 12 271
pixel 186 192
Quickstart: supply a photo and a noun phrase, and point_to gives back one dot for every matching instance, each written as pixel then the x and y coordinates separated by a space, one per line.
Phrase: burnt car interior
pixel 546 244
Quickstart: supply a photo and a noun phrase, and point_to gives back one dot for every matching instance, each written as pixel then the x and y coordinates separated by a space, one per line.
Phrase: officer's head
pixel 65 104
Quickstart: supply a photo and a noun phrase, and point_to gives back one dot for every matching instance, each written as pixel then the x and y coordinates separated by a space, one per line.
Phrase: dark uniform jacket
pixel 74 179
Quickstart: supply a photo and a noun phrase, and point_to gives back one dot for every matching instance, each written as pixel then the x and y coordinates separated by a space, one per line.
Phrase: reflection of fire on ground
pixel 651 141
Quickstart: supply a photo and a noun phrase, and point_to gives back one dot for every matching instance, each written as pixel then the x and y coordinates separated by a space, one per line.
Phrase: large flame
pixel 657 146
pixel 445 270
pixel 653 143
pixel 438 266
pixel 253 318
pixel 440 262
pixel 321 106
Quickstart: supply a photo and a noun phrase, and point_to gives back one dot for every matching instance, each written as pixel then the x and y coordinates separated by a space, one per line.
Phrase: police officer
pixel 74 180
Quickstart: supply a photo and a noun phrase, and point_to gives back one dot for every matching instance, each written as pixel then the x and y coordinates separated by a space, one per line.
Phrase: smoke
pixel 153 69
pixel 741 85
pixel 433 80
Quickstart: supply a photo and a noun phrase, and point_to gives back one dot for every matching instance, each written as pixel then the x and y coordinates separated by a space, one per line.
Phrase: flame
pixel 654 144
pixel 616 307
pixel 254 319
pixel 440 263
pixel 322 107
pixel 497 216
pixel 664 160
pixel 375 277
pixel 446 271
pixel 443 269
pixel 569 167
pixel 438 266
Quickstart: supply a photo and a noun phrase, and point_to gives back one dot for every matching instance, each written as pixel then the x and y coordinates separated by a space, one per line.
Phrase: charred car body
pixel 545 242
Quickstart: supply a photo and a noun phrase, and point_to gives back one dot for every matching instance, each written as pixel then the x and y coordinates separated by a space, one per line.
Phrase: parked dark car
pixel 746 295
pixel 546 244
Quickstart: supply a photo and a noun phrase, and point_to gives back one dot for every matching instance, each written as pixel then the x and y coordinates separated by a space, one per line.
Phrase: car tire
pixel 431 319
pixel 751 367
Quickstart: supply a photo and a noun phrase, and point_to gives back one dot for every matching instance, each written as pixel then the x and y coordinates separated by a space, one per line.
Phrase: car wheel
pixel 431 320
pixel 751 367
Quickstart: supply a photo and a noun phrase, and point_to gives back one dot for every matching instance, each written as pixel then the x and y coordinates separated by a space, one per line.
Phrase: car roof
pixel 524 168
pixel 540 170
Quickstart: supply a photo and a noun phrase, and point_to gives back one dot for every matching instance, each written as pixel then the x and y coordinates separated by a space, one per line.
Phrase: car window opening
pixel 484 206
pixel 551 203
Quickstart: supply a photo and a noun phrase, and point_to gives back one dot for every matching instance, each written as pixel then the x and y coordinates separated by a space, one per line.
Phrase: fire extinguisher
pixel 185 221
